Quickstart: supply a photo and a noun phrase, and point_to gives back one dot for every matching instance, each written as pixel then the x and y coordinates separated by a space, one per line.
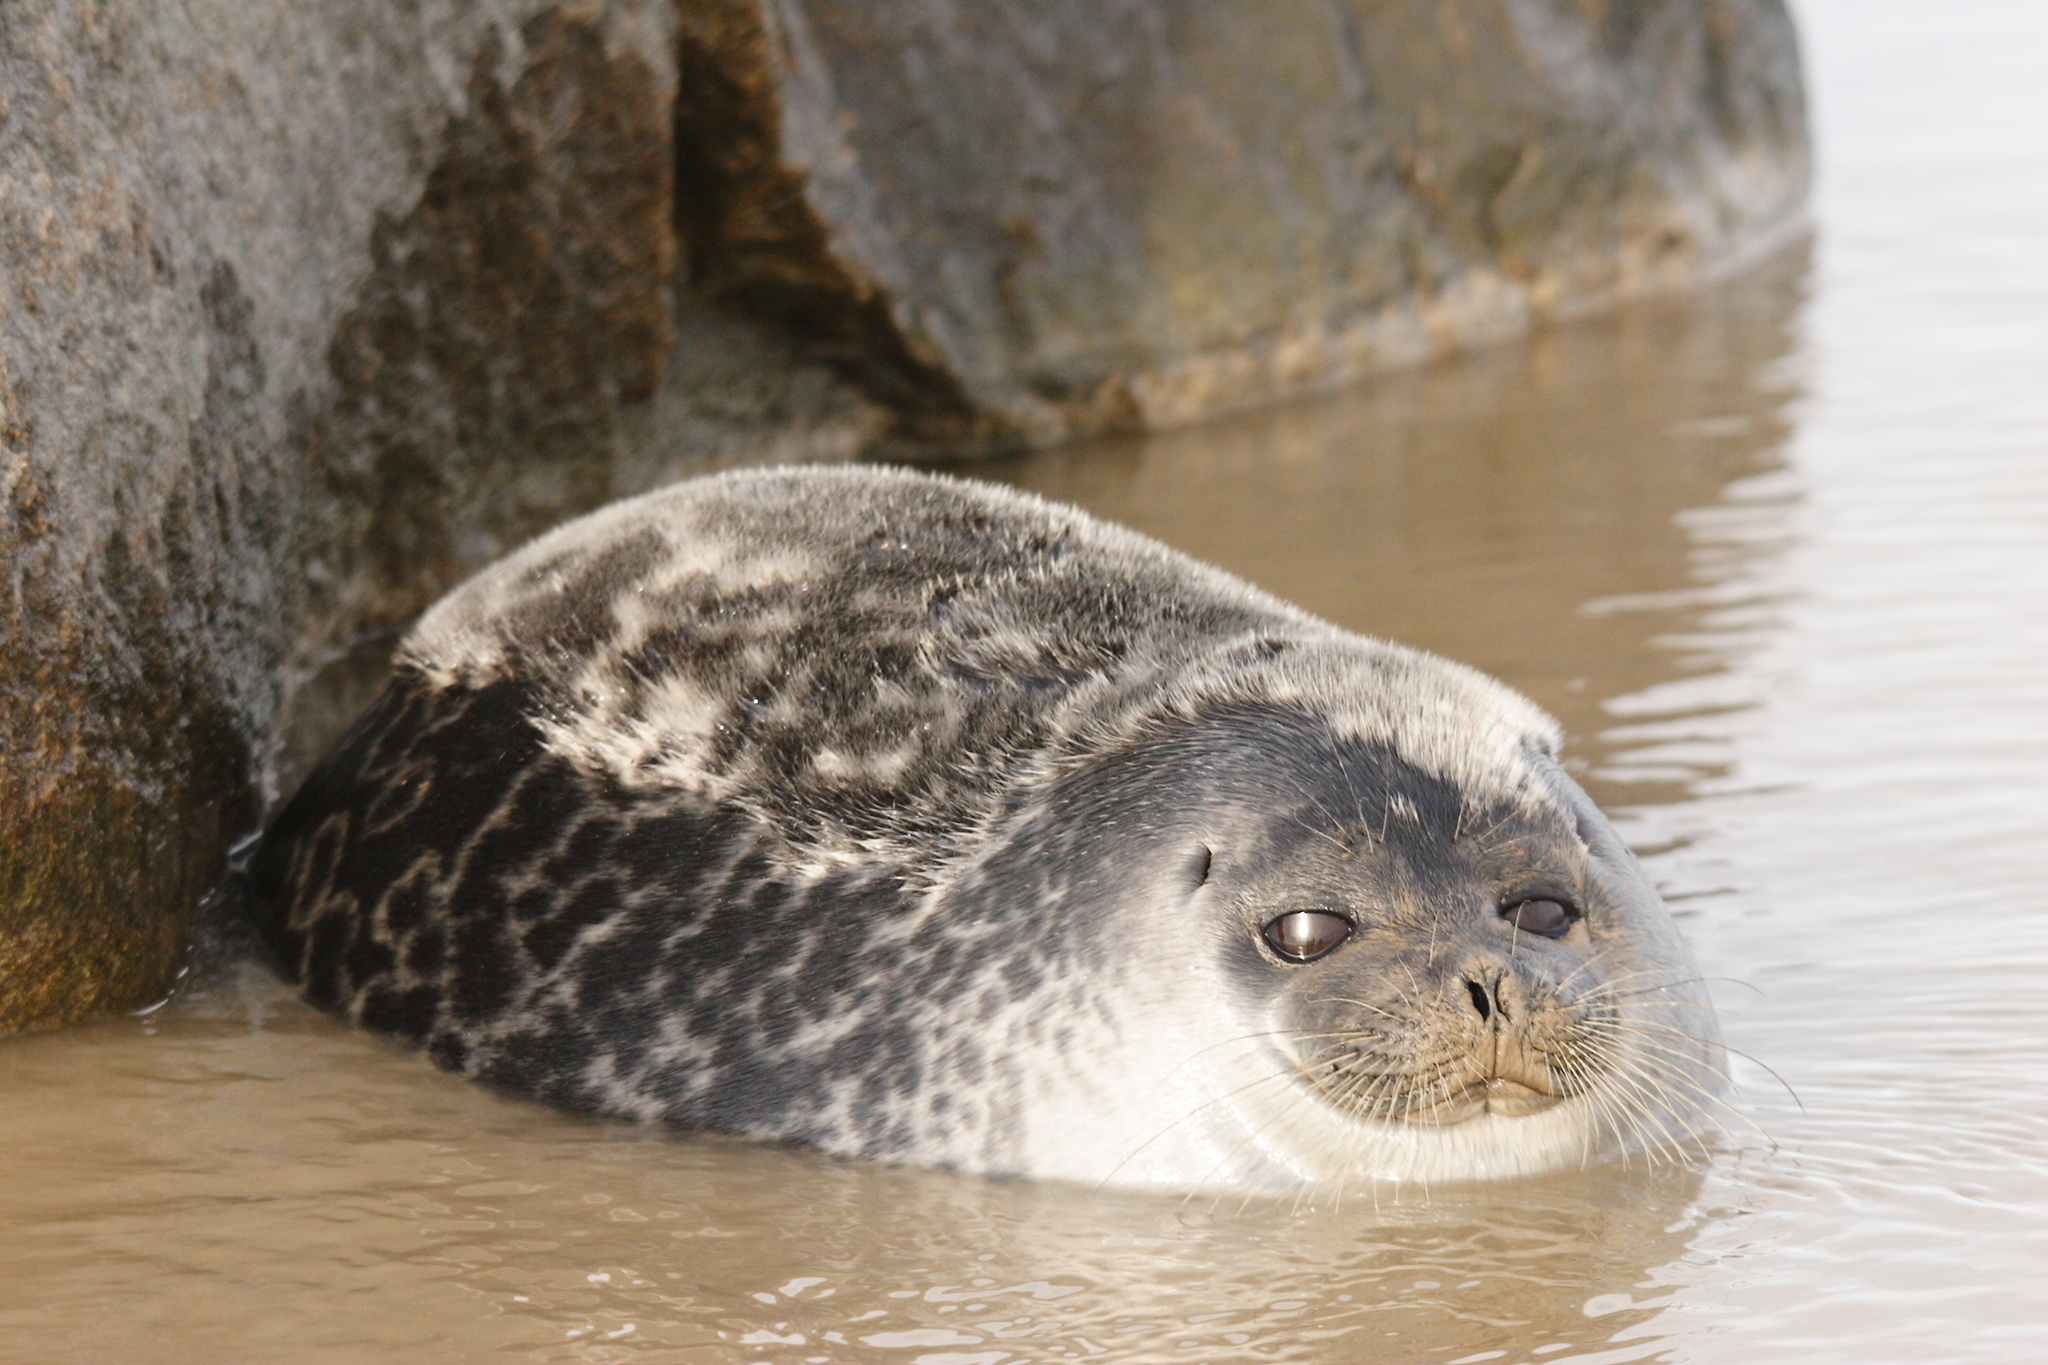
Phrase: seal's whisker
pixel 1622 1113
pixel 1602 1106
pixel 1592 960
pixel 1642 1110
pixel 1610 1028
pixel 1610 1099
pixel 1706 1094
pixel 1637 1037
pixel 1368 1099
pixel 1647 1006
pixel 1366 1005
pixel 1674 1076
pixel 1612 989
pixel 1662 981
pixel 1754 1061
pixel 1631 1080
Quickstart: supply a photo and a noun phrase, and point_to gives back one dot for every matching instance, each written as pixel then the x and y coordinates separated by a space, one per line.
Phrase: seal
pixel 924 821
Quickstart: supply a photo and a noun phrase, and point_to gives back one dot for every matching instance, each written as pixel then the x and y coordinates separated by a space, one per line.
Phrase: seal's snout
pixel 1509 993
pixel 1474 1033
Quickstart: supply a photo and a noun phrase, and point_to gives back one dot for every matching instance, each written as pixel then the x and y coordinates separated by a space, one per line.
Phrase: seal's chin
pixel 1503 1075
pixel 1493 1095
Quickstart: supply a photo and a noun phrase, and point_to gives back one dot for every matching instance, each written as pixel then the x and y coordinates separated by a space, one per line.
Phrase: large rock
pixel 307 310
pixel 1026 221
pixel 305 307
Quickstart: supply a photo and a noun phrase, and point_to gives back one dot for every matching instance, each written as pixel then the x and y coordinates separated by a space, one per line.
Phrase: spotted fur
pixel 846 806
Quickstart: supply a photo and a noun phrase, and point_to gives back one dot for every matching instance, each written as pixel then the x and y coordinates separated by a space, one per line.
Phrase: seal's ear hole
pixel 1305 935
pixel 1205 857
pixel 1550 919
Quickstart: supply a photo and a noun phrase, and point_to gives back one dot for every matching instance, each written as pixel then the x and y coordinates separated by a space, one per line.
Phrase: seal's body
pixel 921 820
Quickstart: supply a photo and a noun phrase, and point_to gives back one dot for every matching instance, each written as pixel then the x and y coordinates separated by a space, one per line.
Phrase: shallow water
pixel 1776 555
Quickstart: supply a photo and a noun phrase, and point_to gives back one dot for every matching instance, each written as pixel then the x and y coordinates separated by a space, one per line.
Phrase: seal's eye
pixel 1551 919
pixel 1306 935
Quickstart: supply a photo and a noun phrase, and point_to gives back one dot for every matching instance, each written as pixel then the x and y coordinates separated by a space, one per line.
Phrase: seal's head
pixel 1354 922
pixel 923 821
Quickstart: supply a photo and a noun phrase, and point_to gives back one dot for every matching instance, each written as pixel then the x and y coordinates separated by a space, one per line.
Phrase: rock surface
pixel 308 310
pixel 1049 218
pixel 305 307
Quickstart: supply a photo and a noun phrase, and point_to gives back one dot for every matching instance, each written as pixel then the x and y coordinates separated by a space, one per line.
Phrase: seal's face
pixel 1417 981
pixel 1433 975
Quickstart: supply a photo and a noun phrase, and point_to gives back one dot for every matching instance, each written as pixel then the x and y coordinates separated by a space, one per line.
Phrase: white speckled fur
pixel 1440 715
pixel 877 744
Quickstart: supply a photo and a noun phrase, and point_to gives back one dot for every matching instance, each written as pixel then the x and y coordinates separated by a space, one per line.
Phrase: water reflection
pixel 290 1191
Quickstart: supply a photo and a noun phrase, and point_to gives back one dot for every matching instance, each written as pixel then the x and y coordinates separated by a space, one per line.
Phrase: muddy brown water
pixel 1777 556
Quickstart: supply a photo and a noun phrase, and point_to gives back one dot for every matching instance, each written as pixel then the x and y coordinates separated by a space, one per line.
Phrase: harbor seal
pixel 920 820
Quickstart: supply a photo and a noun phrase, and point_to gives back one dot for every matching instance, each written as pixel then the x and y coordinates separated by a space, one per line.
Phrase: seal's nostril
pixel 1479 1000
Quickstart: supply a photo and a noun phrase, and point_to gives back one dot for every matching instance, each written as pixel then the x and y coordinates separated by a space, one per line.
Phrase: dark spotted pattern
pixel 762 804
pixel 925 647
pixel 443 879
